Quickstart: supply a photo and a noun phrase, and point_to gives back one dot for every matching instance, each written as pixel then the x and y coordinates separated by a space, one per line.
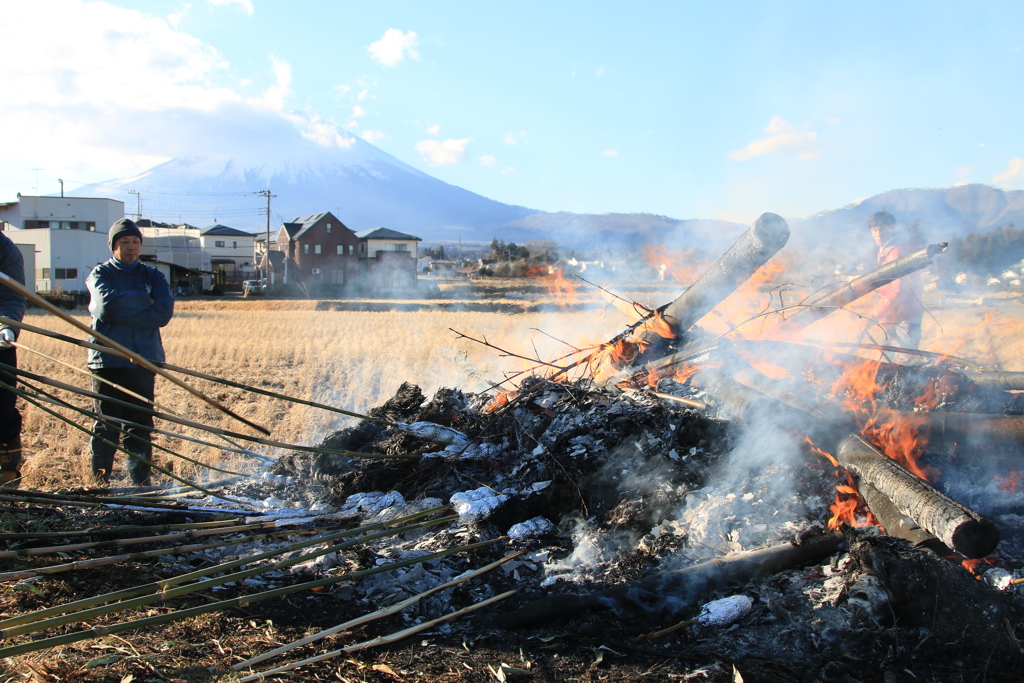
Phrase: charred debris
pixel 722 506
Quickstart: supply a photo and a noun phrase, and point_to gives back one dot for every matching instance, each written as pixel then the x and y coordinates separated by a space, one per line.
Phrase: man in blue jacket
pixel 12 306
pixel 130 303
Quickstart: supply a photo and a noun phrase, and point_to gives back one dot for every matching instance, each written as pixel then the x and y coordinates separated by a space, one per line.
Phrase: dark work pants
pixel 10 418
pixel 136 439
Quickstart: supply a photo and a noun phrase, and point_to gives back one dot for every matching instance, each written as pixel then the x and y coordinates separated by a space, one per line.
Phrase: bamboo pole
pixel 223 605
pixel 382 640
pixel 127 353
pixel 94 562
pixel 74 368
pixel 120 425
pixel 373 616
pixel 138 457
pixel 119 530
pixel 123 542
pixel 163 584
pixel 198 425
pixel 171 593
pixel 192 373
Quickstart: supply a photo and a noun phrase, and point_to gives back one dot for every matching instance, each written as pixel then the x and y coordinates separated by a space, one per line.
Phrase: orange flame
pixel 848 508
pixel 500 401
pixel 1011 483
pixel 679 263
pixel 978 566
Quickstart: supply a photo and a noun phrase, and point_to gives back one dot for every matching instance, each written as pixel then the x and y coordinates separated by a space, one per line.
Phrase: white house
pixel 231 250
pixel 177 252
pixel 68 236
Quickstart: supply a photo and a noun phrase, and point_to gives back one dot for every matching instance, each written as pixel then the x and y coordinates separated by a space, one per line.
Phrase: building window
pixel 362 248
pixel 401 247
pixel 66 273
pixel 351 250
pixel 328 228
pixel 90 226
pixel 46 274
pixel 73 225
pixel 317 249
pixel 305 248
pixel 32 225
pixel 341 249
pixel 218 243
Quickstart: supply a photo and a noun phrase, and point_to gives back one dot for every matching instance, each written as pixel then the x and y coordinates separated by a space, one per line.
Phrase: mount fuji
pixel 361 184
pixel 366 188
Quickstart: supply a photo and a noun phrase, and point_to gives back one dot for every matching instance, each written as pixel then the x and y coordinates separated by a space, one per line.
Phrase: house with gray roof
pixel 320 252
pixel 231 252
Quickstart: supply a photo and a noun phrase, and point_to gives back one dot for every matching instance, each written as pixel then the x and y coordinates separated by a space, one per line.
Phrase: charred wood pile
pixel 692 505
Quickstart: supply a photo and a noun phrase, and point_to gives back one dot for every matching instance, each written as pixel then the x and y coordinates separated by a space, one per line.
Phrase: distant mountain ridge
pixel 369 188
pixel 937 215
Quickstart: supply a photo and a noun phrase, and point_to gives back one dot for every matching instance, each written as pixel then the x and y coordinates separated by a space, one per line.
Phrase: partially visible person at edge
pixel 130 302
pixel 898 311
pixel 12 306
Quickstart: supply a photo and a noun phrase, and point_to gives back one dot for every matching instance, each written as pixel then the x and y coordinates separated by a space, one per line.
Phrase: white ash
pixel 725 611
pixel 477 504
pixel 531 528
pixel 998 578
pixel 487 451
pixel 430 431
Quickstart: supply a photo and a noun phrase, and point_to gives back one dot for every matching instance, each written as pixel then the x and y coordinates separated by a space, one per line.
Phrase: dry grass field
pixel 355 360
pixel 351 360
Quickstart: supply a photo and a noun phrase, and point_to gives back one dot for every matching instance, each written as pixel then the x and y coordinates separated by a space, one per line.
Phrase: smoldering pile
pixel 615 496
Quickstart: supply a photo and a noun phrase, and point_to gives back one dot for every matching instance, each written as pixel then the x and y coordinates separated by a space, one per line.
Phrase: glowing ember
pixel 979 566
pixel 1011 483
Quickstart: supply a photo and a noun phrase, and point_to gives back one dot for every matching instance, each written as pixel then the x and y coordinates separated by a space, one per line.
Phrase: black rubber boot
pixel 138 471
pixel 10 463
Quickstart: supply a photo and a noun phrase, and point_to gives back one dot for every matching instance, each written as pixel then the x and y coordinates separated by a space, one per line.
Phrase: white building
pixel 177 252
pixel 231 251
pixel 68 236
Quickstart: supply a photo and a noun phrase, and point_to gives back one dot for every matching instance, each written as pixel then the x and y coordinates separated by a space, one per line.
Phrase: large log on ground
pixel 959 527
pixel 999 379
pixel 898 524
pixel 680 589
pixel 752 250
pixel 973 426
pixel 858 287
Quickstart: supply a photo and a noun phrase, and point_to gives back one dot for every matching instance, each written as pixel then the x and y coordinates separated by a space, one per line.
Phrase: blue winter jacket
pixel 12 304
pixel 129 305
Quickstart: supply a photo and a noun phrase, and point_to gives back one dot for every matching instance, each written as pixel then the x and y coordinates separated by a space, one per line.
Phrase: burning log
pixel 958 426
pixel 898 524
pixel 955 525
pixel 751 251
pixel 1010 381
pixel 858 287
pixel 678 589
pixel 959 527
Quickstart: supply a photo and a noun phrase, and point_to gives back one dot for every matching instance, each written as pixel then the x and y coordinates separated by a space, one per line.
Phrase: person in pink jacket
pixel 898 311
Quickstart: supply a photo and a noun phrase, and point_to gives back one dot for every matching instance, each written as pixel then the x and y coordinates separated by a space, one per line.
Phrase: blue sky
pixel 691 110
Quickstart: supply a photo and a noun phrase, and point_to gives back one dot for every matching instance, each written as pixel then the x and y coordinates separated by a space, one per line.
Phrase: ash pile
pixel 800 511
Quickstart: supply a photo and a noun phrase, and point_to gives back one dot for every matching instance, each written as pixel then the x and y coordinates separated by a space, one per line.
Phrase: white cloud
pixel 357 112
pixel 1013 176
pixel 245 5
pixel 339 91
pixel 443 152
pixel 365 95
pixel 136 95
pixel 175 18
pixel 514 138
pixel 610 153
pixel 434 129
pixel 783 140
pixel 275 96
pixel 489 161
pixel 393 47
pixel 373 136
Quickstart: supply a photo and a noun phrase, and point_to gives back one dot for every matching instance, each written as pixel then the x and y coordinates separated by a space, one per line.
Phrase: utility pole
pixel 138 197
pixel 61 187
pixel 266 249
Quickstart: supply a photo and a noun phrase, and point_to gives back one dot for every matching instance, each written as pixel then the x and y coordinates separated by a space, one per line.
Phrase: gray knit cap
pixel 122 227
